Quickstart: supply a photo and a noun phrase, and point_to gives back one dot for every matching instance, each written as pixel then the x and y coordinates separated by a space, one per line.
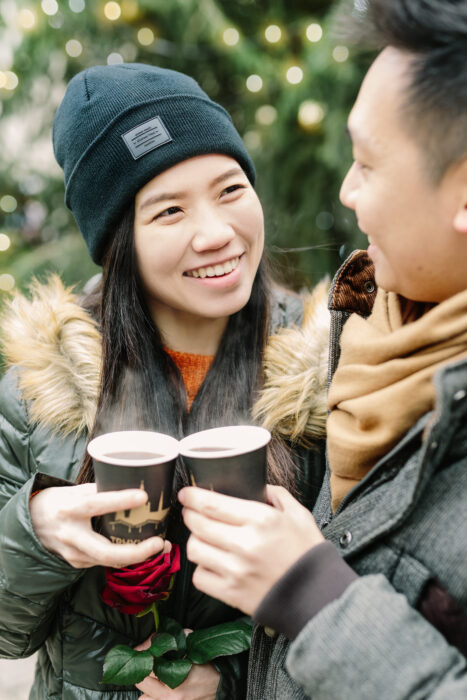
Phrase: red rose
pixel 133 588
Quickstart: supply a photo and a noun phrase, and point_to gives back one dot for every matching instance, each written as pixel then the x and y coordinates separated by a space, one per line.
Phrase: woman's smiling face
pixel 199 237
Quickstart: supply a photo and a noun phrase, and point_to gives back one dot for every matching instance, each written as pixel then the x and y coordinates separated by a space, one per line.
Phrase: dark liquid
pixel 133 455
pixel 212 449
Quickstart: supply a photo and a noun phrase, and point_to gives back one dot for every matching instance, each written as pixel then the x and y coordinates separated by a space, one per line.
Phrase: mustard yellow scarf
pixel 383 382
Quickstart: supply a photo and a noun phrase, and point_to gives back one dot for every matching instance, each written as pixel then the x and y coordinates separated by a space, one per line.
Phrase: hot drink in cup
pixel 230 460
pixel 135 459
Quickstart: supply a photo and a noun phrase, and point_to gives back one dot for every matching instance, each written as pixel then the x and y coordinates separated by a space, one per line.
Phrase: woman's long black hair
pixel 141 387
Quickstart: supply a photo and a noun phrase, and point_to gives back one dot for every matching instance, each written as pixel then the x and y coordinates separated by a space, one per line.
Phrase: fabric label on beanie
pixel 146 137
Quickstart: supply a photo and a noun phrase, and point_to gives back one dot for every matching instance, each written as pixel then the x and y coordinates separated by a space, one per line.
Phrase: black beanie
pixel 119 126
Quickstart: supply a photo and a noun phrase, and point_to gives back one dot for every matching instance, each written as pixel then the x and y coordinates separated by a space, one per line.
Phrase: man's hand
pixel 243 547
pixel 61 518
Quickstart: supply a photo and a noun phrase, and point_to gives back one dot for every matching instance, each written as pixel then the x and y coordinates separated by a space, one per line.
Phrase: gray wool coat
pixel 400 630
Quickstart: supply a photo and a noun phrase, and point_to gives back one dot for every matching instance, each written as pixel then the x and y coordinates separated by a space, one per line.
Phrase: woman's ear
pixel 460 219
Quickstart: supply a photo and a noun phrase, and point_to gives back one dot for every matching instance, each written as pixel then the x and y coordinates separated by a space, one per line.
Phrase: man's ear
pixel 460 219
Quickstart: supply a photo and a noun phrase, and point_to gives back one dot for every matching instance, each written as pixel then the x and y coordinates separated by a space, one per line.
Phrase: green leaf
pixel 126 666
pixel 161 643
pixel 172 673
pixel 220 640
pixel 171 626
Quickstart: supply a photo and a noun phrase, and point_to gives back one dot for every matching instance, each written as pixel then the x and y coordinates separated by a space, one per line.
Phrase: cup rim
pixel 235 433
pixel 148 439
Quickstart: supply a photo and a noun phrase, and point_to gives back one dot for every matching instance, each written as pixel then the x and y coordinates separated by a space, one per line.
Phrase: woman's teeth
pixel 214 270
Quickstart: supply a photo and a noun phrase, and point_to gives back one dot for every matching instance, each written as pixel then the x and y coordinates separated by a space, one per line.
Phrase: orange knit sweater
pixel 193 369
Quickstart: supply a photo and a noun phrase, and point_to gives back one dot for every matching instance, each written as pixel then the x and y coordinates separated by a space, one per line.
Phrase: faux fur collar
pixel 56 348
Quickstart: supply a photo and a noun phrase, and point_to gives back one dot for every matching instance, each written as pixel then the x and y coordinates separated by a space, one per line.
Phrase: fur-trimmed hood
pixel 56 347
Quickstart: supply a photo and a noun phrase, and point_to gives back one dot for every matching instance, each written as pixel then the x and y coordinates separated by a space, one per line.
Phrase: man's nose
pixel 349 188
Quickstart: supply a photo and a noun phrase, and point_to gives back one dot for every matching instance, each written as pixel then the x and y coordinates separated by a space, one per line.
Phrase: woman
pixel 171 339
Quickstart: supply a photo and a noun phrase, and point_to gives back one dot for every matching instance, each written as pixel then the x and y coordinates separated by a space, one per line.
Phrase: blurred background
pixel 274 64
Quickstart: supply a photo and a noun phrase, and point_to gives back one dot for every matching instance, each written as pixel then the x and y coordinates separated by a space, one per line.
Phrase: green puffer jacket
pixel 47 406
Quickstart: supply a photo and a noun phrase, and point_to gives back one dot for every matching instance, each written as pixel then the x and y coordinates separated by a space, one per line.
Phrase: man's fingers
pixel 199 552
pixel 227 509
pixel 223 535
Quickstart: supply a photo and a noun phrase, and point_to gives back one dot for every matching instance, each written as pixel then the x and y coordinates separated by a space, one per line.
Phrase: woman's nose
pixel 212 233
pixel 349 188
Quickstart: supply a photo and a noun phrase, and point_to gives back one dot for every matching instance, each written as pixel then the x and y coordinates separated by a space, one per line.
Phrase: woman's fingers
pixel 88 505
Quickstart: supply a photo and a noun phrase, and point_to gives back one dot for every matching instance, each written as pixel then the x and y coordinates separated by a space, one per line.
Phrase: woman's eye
pixel 232 188
pixel 170 211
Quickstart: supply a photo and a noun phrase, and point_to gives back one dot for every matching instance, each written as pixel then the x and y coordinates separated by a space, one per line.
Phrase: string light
pixel 74 48
pixel 340 54
pixel 7 282
pixel 310 115
pixel 26 19
pixel 2 79
pixel 273 33
pixel 314 32
pixel 8 203
pixel 145 36
pixel 231 36
pixel 266 115
pixel 112 11
pixel 254 83
pixel 294 75
pixel 49 7
pixel 4 242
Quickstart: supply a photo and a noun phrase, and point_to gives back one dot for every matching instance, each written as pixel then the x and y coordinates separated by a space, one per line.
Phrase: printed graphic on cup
pixel 135 459
pixel 230 460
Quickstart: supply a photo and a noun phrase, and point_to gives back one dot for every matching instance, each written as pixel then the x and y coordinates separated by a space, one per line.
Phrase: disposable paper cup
pixel 230 460
pixel 135 459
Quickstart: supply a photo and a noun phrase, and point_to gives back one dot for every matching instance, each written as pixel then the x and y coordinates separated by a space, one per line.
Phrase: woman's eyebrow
pixel 226 175
pixel 156 198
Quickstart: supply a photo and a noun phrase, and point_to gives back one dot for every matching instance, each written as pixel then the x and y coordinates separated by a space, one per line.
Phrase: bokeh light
pixel 7 282
pixel 49 7
pixel 77 6
pixel 314 32
pixel 114 59
pixel 74 48
pixel 254 83
pixel 4 242
pixel 310 114
pixel 340 53
pixel 231 36
pixel 112 11
pixel 26 19
pixel 273 33
pixel 8 203
pixel 145 36
pixel 266 115
pixel 294 75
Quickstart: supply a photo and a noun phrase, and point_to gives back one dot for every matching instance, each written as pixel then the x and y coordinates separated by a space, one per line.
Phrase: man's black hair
pixel 434 32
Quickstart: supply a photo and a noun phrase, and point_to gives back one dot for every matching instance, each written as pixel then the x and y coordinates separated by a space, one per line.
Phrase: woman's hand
pixel 61 518
pixel 243 547
pixel 200 684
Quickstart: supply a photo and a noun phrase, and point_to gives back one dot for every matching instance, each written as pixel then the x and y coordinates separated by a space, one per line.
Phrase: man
pixel 370 596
